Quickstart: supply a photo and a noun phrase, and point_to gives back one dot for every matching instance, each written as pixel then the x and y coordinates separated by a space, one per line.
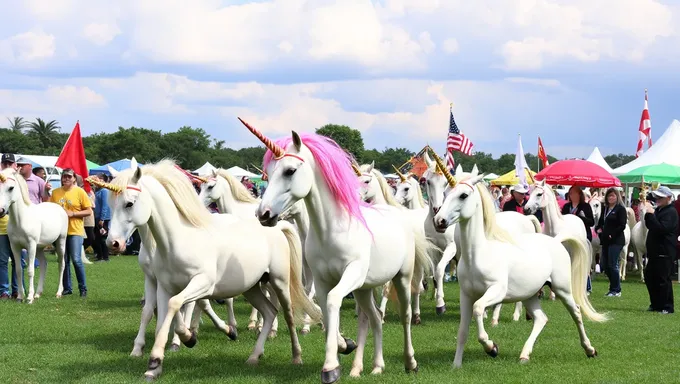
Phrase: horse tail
pixel 631 217
pixel 580 267
pixel 300 302
pixel 423 266
pixel 536 223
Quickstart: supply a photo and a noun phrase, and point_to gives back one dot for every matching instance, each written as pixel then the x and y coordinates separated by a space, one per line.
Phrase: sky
pixel 573 71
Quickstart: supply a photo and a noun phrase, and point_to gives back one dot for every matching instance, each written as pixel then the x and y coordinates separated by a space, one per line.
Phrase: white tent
pixel 665 150
pixel 596 158
pixel 206 169
pixel 491 176
pixel 391 176
pixel 240 172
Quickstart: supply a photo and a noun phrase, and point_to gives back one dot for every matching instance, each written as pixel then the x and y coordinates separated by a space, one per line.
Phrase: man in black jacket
pixel 663 234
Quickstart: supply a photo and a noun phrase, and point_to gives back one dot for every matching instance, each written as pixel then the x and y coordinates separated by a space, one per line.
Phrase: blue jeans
pixel 74 246
pixel 24 259
pixel 610 260
pixel 7 261
pixel 589 287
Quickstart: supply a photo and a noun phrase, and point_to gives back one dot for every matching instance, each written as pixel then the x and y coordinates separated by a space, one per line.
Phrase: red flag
pixel 541 153
pixel 73 156
pixel 645 130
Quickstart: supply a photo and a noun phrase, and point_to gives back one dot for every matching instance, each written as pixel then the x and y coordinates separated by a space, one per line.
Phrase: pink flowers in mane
pixel 336 168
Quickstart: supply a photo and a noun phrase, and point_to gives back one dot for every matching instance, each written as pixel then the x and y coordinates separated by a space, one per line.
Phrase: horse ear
pixel 213 172
pixel 297 141
pixel 112 171
pixel 428 161
pixel 137 175
pixel 475 169
pixel 459 170
pixel 371 167
pixel 475 172
pixel 133 163
pixel 476 178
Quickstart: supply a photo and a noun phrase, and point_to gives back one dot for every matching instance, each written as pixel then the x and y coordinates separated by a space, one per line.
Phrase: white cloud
pixel 541 82
pixel 451 45
pixel 27 47
pixel 100 34
pixel 53 102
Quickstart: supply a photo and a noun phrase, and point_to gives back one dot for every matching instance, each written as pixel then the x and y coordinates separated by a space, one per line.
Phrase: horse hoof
pixel 192 341
pixel 304 331
pixel 136 353
pixel 594 354
pixel 154 363
pixel 251 327
pixel 414 370
pixel 441 310
pixel 142 302
pixel 232 334
pixel 174 347
pixel 494 351
pixel 416 320
pixel 523 360
pixel 272 334
pixel 351 346
pixel 330 376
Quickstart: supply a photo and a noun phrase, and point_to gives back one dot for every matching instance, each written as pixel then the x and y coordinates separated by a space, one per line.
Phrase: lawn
pixel 72 340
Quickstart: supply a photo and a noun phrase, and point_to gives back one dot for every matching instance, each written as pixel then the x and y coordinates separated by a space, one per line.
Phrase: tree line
pixel 192 147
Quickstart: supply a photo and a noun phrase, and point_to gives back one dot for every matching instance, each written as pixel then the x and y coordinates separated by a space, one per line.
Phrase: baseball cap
pixel 23 161
pixel 519 188
pixel 8 158
pixel 68 171
pixel 662 191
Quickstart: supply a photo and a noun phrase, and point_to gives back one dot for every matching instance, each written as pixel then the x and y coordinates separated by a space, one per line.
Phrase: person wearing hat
pixel 77 205
pixel 6 257
pixel 662 224
pixel 519 200
pixel 38 189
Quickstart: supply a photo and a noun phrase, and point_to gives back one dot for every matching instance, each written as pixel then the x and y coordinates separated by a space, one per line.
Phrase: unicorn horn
pixel 264 174
pixel 442 168
pixel 200 178
pixel 356 169
pixel 96 181
pixel 401 176
pixel 276 149
pixel 3 178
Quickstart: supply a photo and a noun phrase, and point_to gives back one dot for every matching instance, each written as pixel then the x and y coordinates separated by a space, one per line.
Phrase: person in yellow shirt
pixel 77 205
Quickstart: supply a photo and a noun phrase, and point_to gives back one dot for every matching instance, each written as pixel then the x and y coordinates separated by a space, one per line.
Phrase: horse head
pixel 10 190
pixel 461 202
pixel 211 189
pixel 539 197
pixel 369 186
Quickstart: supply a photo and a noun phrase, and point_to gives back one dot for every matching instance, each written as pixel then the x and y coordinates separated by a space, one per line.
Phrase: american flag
pixel 456 141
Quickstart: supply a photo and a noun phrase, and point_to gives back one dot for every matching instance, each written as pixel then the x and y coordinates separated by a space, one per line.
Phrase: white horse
pixel 639 239
pixel 205 256
pixel 232 197
pixel 350 247
pixel 436 184
pixel 497 267
pixel 596 203
pixel 32 227
pixel 375 190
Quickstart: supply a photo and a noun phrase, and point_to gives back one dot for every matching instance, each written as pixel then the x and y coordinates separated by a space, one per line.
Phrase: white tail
pixel 580 266
pixel 536 223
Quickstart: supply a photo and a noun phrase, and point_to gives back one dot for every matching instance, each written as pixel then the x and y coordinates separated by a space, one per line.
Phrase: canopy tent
pixel 656 173
pixel 206 169
pixel 490 176
pixel 511 179
pixel 665 150
pixel 119 165
pixel 239 172
pixel 391 176
pixel 596 158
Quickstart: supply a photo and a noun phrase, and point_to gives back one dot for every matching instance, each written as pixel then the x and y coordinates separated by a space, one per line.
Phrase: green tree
pixel 396 156
pixel 346 137
pixel 190 147
pixel 618 160
pixel 17 124
pixel 12 141
pixel 45 131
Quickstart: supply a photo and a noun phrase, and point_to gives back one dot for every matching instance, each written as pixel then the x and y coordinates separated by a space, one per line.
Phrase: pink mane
pixel 336 168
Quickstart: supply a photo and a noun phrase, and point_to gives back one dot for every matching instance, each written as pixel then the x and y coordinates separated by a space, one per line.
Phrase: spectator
pixel 102 216
pixel 88 221
pixel 519 200
pixel 613 221
pixel 77 205
pixel 662 223
pixel 6 256
pixel 40 172
pixel 38 189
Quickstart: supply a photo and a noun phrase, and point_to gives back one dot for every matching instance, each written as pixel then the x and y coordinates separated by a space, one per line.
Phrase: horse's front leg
pixel 492 296
pixel 463 327
pixel 229 330
pixel 199 286
pixel 18 270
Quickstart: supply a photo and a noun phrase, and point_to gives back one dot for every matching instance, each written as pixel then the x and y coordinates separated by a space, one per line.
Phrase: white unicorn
pixel 436 177
pixel 32 227
pixel 350 247
pixel 232 197
pixel 639 239
pixel 496 267
pixel 204 256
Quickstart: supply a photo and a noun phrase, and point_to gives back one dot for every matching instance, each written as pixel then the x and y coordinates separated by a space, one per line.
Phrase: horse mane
pixel 419 191
pixel 384 188
pixel 23 187
pixel 491 229
pixel 179 189
pixel 336 168
pixel 238 190
pixel 554 200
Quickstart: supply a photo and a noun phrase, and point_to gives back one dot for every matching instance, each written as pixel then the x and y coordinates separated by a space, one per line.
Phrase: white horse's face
pixel 538 198
pixel 406 191
pixel 293 211
pixel 212 190
pixel 9 191
pixel 290 180
pixel 596 207
pixel 129 209
pixel 460 204
pixel 369 186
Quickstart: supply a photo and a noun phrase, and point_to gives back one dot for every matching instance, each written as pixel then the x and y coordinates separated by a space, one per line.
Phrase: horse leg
pixel 638 261
pixel 175 344
pixel 402 283
pixel 18 270
pixel 533 305
pixel 492 296
pixel 439 272
pixel 40 255
pixel 496 314
pixel 362 332
pixel 229 330
pixel 259 301
pixel 352 278
pixel 623 262
pixel 199 286
pixel 273 297
pixel 368 315
pixel 463 327
pixel 415 305
pixel 518 311
pixel 61 249
pixel 568 300
pixel 252 324
pixel 385 298
pixel 147 314
pixel 281 294
pixel 30 254
pixel 230 311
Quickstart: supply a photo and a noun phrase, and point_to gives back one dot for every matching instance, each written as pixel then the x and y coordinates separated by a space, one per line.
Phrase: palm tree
pixel 44 130
pixel 17 124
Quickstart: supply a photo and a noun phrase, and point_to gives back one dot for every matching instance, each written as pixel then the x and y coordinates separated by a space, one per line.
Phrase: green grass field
pixel 72 340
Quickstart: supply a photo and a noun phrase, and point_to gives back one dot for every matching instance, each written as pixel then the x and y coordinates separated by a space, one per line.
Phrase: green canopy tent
pixel 91 164
pixel 663 173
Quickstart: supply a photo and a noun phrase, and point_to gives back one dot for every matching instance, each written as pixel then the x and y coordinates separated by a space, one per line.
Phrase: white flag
pixel 521 164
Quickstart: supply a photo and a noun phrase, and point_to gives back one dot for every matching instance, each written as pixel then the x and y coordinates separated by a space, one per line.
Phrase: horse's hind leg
pixel 273 297
pixel 623 262
pixel 230 311
pixel 281 294
pixel 368 314
pixel 533 305
pixel 205 306
pixel 496 314
pixel 147 314
pixel 402 283
pixel 518 311
pixel 439 272
pixel 259 301
pixel 60 247
pixel 40 255
pixel 385 298
pixel 568 300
